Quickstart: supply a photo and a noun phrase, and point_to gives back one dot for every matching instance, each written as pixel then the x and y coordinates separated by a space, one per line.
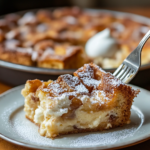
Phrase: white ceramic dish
pixel 15 128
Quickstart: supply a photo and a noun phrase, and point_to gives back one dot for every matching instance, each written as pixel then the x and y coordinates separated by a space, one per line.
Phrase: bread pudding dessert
pixel 51 38
pixel 91 100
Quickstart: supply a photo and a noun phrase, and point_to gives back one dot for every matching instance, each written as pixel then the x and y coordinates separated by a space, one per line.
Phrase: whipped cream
pixel 39 116
pixel 101 44
pixel 61 106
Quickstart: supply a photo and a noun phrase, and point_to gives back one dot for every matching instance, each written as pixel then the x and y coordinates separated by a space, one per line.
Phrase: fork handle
pixel 136 54
pixel 143 41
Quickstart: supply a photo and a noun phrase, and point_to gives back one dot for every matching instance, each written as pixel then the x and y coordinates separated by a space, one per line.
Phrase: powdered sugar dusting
pixel 87 76
pixel 71 49
pixel 105 138
pixel 81 89
pixel 11 44
pixel 74 83
pixel 7 113
pixel 98 97
pixel 114 81
pixel 34 56
pixel 104 95
pixel 56 88
pixel 48 52
pixel 88 72
pixel 70 80
pixel 11 35
pixel 29 17
pixel 29 131
pixel 24 50
pixel 91 82
pixel 42 28
pixel 70 20
pixel 45 90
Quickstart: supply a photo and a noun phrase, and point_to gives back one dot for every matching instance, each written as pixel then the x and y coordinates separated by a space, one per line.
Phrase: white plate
pixel 15 128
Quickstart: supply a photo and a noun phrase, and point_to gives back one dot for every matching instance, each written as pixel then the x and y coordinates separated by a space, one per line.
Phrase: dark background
pixel 9 6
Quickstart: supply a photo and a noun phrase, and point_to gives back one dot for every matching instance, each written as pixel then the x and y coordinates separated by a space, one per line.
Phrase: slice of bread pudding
pixel 91 100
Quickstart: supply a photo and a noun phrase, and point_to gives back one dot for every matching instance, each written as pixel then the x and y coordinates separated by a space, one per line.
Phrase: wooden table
pixel 4 145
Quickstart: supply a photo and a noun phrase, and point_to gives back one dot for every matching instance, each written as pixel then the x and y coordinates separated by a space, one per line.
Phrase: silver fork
pixel 130 66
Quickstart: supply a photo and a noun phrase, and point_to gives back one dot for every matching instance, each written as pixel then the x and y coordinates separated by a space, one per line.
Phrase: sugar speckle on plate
pixel 15 123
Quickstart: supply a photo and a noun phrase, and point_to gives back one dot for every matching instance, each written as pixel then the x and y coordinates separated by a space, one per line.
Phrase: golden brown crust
pixel 65 58
pixel 90 94
pixel 16 56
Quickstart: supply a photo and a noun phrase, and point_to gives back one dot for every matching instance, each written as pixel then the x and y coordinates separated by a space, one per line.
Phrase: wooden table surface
pixel 4 145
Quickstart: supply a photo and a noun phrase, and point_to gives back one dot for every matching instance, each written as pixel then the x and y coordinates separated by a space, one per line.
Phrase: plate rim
pixel 126 144
pixel 49 71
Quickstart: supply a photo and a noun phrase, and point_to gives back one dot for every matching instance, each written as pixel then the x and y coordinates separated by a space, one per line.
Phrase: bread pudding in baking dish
pixel 51 38
pixel 91 100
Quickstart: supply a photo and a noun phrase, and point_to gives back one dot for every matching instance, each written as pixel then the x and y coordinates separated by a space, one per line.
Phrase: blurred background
pixel 9 6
